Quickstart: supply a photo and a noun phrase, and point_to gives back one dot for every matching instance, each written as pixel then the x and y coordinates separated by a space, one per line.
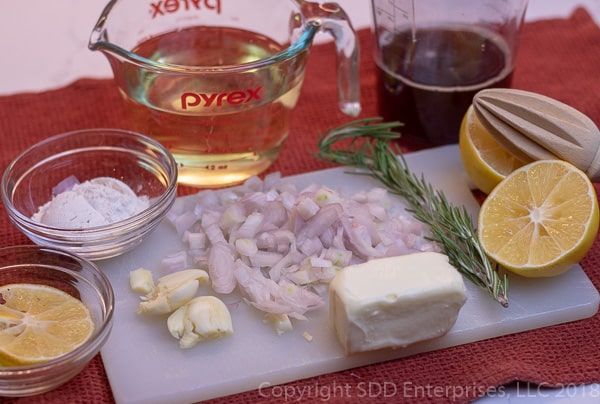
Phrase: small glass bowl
pixel 138 161
pixel 76 276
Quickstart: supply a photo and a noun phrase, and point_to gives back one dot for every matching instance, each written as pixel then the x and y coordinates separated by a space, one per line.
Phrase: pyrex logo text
pixel 163 7
pixel 217 100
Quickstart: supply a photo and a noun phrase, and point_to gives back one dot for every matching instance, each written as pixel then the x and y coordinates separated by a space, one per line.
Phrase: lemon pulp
pixel 39 323
pixel 540 220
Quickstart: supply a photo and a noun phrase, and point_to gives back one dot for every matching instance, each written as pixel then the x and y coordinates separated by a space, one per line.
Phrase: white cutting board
pixel 145 365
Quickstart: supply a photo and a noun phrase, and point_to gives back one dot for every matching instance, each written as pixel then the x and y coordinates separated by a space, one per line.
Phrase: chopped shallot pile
pixel 280 246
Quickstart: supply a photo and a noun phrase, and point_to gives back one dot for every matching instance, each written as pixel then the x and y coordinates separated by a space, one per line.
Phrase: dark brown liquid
pixel 428 84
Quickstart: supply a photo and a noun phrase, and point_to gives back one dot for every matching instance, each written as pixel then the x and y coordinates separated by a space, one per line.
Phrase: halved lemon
pixel 39 323
pixel 484 159
pixel 540 220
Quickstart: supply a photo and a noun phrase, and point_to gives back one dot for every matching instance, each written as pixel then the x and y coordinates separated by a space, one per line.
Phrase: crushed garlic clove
pixel 173 291
pixel 202 318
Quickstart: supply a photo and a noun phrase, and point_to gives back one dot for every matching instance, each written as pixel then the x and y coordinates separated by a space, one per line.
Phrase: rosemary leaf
pixel 366 144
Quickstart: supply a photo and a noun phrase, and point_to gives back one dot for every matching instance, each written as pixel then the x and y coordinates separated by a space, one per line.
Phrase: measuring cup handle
pixel 331 18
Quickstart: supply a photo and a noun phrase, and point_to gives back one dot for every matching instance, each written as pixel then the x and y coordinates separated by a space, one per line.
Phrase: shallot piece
pixel 279 246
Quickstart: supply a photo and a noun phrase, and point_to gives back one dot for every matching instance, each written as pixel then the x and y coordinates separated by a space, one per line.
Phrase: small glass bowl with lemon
pixel 56 313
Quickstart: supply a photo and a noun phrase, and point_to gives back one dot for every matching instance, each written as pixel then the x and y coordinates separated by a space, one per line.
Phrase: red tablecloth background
pixel 558 58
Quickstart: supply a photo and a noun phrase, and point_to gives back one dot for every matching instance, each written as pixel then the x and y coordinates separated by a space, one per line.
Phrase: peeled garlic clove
pixel 204 317
pixel 533 126
pixel 173 291
pixel 140 281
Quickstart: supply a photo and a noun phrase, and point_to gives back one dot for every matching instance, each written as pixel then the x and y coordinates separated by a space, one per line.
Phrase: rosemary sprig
pixel 365 144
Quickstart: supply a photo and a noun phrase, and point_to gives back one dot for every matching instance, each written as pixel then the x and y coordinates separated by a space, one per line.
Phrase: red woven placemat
pixel 558 58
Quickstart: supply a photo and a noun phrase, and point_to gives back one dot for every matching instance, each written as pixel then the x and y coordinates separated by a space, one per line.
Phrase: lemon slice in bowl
pixel 39 323
pixel 540 220
pixel 485 160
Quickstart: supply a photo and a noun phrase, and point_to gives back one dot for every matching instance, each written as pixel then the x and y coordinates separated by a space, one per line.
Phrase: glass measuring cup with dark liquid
pixel 433 56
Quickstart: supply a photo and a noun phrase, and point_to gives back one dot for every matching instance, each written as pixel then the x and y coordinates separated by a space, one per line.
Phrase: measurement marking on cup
pixel 397 13
pixel 214 167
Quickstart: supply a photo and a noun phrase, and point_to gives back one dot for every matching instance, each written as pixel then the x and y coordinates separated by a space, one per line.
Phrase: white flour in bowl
pixel 97 202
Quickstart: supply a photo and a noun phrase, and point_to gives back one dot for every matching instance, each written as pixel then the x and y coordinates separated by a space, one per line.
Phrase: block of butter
pixel 394 302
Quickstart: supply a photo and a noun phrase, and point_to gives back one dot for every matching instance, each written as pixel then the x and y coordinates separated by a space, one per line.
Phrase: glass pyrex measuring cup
pixel 216 81
pixel 433 56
